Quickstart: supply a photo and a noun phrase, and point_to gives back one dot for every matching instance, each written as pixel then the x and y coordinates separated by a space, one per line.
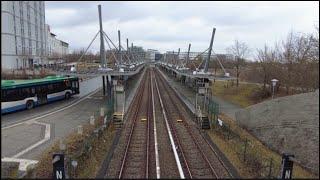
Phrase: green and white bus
pixel 26 94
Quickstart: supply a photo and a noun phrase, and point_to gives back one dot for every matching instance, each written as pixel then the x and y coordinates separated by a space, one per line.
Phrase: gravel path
pixel 168 166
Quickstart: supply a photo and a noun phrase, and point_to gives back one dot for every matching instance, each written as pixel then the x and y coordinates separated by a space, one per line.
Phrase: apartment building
pixel 23 34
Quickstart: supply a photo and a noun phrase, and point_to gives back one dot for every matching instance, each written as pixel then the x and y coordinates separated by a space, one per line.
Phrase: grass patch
pixel 9 170
pixel 258 155
pixel 89 162
pixel 98 154
pixel 247 94
pixel 241 95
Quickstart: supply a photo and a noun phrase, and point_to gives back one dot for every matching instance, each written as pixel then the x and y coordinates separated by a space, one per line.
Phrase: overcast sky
pixel 167 26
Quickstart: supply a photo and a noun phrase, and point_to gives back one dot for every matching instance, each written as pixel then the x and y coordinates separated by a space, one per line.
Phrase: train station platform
pixel 188 96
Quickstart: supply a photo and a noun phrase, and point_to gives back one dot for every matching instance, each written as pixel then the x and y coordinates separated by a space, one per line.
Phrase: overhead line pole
pixel 187 59
pixel 102 51
pixel 128 50
pixel 188 52
pixel 178 60
pixel 133 53
pixel 114 45
pixel 120 57
pixel 210 48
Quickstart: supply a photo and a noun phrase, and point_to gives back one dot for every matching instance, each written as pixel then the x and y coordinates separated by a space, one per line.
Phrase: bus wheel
pixel 29 104
pixel 67 95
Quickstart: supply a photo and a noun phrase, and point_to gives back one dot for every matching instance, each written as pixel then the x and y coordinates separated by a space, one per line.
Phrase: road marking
pixel 155 133
pixel 170 136
pixel 46 138
pixel 55 108
pixel 23 163
pixel 48 114
pixel 93 97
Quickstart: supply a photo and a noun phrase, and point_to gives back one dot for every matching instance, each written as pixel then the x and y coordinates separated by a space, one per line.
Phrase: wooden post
pixel 270 168
pixel 80 130
pixel 245 150
pixel 228 132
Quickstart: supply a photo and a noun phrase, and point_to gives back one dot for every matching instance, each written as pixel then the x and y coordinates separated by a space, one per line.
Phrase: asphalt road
pixel 21 131
pixel 86 87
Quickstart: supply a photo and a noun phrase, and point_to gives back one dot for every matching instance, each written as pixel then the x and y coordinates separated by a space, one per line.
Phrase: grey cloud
pixel 169 24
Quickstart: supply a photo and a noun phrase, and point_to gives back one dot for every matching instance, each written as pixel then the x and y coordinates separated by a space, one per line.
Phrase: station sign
pixel 286 166
pixel 58 166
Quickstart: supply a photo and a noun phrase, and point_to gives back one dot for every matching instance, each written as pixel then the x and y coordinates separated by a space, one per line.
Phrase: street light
pixel 274 83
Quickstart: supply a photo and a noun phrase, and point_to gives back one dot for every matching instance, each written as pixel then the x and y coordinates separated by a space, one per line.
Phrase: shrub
pixel 259 94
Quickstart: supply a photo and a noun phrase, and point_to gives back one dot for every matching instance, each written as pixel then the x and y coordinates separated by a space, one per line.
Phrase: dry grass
pixel 9 170
pixel 238 95
pixel 228 147
pixel 246 94
pixel 98 153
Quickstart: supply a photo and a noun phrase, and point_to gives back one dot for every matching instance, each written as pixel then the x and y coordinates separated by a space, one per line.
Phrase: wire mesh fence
pixel 260 165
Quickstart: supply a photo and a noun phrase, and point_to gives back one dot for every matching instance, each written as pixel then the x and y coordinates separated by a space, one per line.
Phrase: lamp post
pixel 274 83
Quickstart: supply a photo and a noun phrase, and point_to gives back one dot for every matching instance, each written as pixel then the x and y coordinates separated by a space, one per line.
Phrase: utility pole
pixel 128 50
pixel 102 51
pixel 120 57
pixel 188 52
pixel 127 44
pixel 210 48
pixel 178 60
pixel 131 50
pixel 172 57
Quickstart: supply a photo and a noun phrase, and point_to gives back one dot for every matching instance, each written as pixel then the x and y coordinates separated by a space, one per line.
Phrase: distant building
pixel 171 55
pixel 151 54
pixel 197 55
pixel 56 49
pixel 23 34
pixel 158 56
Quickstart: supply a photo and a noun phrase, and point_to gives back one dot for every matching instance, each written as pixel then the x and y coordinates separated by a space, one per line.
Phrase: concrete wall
pixel 287 124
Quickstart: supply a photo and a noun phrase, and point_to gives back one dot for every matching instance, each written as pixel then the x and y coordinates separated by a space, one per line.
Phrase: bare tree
pixel 265 57
pixel 240 50
pixel 288 59
pixel 314 49
pixel 300 60
pixel 293 61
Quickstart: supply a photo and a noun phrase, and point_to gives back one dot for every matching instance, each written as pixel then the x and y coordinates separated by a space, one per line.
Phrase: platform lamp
pixel 274 83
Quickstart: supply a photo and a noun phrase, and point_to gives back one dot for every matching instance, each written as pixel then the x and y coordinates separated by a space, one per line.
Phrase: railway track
pixel 168 164
pixel 198 158
pixel 160 140
pixel 135 162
